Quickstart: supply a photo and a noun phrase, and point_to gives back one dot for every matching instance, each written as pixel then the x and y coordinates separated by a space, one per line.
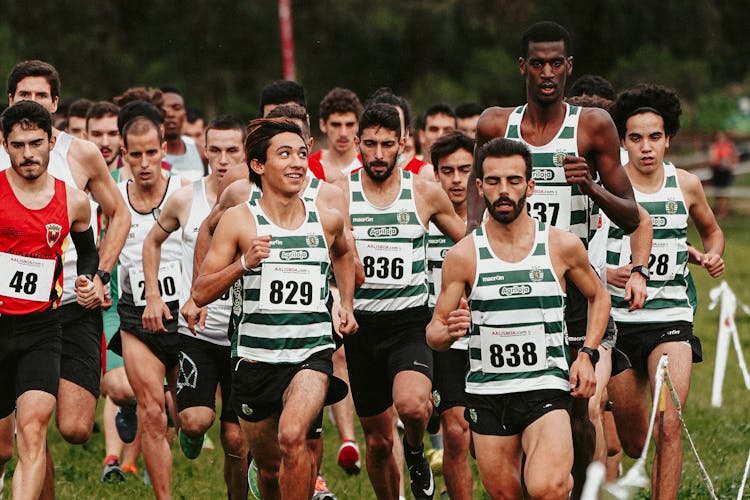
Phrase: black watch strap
pixel 642 270
pixel 104 276
pixel 592 353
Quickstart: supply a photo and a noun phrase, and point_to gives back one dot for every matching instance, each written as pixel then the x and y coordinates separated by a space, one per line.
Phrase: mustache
pixel 29 162
pixel 378 164
pixel 502 199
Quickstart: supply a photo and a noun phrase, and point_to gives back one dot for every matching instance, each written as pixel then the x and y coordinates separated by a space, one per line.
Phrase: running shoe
pixel 190 446
pixel 349 457
pixel 112 471
pixel 126 421
pixel 420 473
pixel 252 479
pixel 321 490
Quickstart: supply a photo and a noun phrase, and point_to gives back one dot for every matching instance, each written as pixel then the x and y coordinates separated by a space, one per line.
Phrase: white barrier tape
pixel 744 478
pixel 678 407
pixel 724 295
pixel 596 473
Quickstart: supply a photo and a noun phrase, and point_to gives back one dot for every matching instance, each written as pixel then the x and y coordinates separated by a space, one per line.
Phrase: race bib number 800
pixel 26 277
pixel 513 350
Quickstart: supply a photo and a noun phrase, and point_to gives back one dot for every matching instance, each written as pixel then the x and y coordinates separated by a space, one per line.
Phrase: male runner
pixel 281 92
pixel 576 168
pixel 467 116
pixel 339 117
pixel 452 156
pixel 647 118
pixel 101 129
pixel 512 270
pixel 205 352
pixel 182 152
pixel 77 112
pixel 80 165
pixel 439 119
pixel 282 363
pixel 194 127
pixel 37 213
pixel 389 361
pixel 149 354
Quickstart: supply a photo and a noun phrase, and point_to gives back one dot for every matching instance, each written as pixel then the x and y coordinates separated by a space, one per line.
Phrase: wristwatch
pixel 104 276
pixel 593 354
pixel 642 270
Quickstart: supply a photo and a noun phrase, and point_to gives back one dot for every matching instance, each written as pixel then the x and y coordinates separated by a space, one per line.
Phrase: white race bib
pixel 551 205
pixel 26 277
pixel 513 350
pixel 169 276
pixel 385 263
pixel 225 300
pixel 289 287
pixel 662 263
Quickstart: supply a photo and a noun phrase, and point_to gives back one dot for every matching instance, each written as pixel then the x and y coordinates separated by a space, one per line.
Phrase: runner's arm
pixel 452 317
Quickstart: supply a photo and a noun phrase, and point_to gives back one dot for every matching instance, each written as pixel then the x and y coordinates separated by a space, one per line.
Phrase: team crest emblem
pixel 436 398
pixel 246 410
pixel 671 207
pixel 558 157
pixel 473 415
pixel 311 240
pixel 403 217
pixel 536 274
pixel 53 233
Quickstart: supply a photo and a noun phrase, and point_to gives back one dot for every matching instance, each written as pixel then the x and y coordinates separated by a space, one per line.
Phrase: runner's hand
pixel 459 320
pixel 194 315
pixel 86 293
pixel 577 172
pixel 582 377
pixel 713 263
pixel 347 324
pixel 155 310
pixel 260 248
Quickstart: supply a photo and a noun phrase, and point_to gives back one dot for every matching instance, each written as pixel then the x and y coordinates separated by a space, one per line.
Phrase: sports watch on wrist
pixel 642 270
pixel 104 276
pixel 593 354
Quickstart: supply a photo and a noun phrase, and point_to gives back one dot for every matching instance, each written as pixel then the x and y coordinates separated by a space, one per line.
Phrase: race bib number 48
pixel 289 287
pixel 385 262
pixel 26 277
pixel 513 350
pixel 169 277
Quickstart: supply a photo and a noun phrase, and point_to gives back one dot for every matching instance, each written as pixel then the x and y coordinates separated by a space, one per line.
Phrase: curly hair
pixel 647 98
pixel 340 100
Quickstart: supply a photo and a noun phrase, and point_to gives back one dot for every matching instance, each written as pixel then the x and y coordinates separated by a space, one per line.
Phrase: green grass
pixel 722 435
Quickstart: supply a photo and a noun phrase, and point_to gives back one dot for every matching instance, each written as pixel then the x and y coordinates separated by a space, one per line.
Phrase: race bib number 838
pixel 513 350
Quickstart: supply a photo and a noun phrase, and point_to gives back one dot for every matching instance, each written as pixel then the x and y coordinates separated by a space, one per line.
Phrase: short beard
pixel 505 218
pixel 384 175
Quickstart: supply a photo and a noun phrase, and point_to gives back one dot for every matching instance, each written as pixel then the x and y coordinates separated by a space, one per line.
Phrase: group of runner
pixel 516 281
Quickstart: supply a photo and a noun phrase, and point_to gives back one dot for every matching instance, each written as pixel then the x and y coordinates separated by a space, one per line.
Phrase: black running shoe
pixel 126 422
pixel 420 473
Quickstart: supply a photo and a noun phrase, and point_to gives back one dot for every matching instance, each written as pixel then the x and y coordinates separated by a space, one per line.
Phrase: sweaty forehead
pixel 170 99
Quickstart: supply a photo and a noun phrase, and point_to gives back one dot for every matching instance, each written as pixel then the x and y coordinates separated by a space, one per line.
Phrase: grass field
pixel 722 435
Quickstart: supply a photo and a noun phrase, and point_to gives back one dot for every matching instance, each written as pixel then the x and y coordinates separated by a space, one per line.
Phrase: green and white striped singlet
pixel 517 341
pixel 284 314
pixel 668 299
pixel 391 243
pixel 555 201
